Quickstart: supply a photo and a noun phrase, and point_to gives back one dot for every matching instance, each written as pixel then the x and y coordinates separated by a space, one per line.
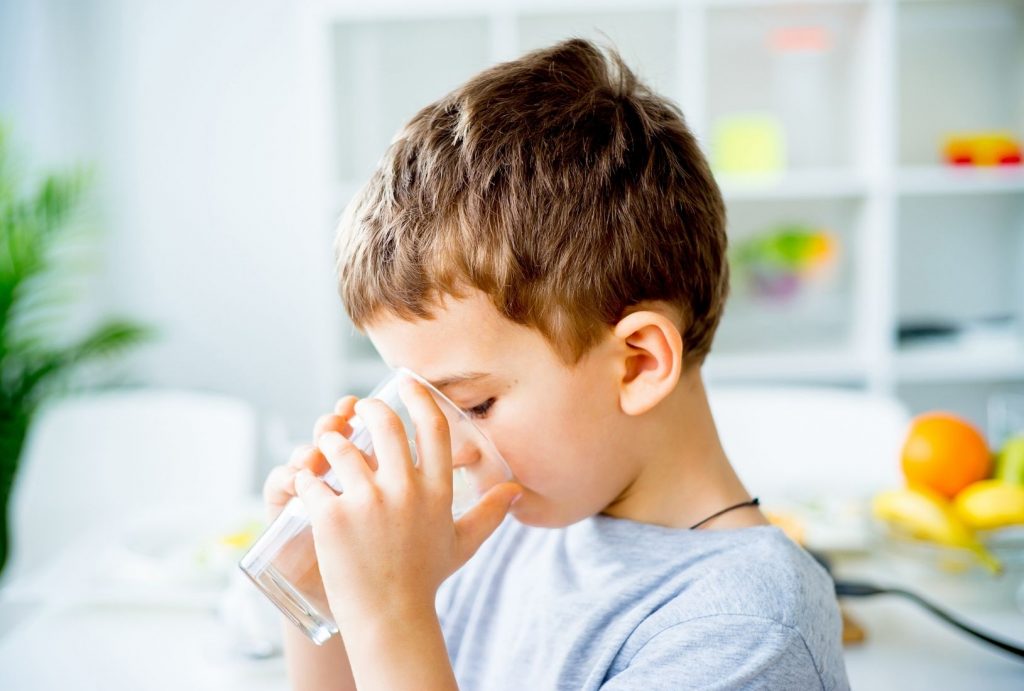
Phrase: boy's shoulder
pixel 749 592
pixel 752 570
pixel 756 572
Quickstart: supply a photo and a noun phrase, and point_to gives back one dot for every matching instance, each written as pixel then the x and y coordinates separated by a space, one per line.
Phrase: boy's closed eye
pixel 480 411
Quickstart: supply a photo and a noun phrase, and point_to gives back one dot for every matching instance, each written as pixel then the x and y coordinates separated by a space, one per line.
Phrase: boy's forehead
pixel 466 339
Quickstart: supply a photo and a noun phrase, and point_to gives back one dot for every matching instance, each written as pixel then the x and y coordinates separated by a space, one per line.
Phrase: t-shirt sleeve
pixel 722 651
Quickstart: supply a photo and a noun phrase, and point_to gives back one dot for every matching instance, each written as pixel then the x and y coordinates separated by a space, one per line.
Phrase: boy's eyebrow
pixel 460 378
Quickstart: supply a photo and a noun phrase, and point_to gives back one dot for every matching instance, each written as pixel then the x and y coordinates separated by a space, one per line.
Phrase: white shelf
pixel 833 366
pixel 725 4
pixel 997 355
pixel 947 180
pixel 820 184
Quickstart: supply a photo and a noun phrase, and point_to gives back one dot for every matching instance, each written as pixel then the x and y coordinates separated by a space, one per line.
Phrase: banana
pixel 929 516
pixel 990 504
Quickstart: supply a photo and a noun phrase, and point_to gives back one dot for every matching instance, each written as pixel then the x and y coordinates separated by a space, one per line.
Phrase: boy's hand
pixel 279 486
pixel 388 541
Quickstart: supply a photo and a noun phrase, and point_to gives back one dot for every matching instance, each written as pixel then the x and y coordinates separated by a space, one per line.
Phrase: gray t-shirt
pixel 609 603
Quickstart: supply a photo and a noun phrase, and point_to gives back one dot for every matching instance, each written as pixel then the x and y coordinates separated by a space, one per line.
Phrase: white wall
pixel 196 115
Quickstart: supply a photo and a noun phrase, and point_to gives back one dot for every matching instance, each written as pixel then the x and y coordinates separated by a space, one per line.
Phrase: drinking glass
pixel 282 562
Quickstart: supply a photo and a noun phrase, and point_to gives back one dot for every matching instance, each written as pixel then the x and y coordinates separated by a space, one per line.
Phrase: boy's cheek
pixel 540 442
pixel 524 451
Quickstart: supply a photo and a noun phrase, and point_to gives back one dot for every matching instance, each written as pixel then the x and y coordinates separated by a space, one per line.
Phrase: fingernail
pixel 516 498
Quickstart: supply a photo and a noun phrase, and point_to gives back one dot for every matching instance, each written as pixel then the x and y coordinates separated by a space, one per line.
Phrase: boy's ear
pixel 652 355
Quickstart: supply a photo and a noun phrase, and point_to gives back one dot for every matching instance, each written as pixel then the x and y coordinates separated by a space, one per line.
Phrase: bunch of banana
pixel 927 515
pixel 990 504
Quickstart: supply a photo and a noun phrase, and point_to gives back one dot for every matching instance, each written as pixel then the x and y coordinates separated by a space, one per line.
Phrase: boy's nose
pixel 466 453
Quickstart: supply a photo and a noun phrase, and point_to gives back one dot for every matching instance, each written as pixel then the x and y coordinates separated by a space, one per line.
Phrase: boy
pixel 547 245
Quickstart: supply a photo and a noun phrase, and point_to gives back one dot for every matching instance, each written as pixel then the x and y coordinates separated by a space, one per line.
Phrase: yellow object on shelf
pixel 981 149
pixel 744 144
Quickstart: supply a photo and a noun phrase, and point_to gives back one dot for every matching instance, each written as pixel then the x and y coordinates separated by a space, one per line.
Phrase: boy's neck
pixel 684 473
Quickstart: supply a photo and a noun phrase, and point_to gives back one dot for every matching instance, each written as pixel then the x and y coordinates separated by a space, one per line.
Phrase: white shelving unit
pixel 919 240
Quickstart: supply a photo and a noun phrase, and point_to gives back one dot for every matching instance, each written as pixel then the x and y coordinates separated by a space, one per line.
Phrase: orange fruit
pixel 945 453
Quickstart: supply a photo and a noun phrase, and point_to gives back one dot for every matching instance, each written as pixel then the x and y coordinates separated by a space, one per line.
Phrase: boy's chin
pixel 529 515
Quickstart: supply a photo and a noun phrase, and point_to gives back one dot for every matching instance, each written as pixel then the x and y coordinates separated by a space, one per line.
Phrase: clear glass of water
pixel 282 562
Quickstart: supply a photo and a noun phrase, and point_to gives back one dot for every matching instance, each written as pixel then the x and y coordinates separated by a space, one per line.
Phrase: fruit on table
pixel 1010 461
pixel 990 504
pixel 927 515
pixel 945 453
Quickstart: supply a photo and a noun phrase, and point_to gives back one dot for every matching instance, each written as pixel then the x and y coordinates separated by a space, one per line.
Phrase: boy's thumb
pixel 477 524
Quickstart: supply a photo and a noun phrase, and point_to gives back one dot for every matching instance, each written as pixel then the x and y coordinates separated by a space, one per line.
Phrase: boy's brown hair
pixel 560 186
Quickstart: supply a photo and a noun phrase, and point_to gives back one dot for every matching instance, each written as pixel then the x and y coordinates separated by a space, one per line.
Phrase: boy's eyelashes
pixel 480 410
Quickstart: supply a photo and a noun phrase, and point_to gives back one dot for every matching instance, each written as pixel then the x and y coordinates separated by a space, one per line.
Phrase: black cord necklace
pixel 753 502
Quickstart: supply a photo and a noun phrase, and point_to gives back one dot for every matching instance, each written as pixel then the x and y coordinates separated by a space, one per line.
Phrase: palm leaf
pixel 105 341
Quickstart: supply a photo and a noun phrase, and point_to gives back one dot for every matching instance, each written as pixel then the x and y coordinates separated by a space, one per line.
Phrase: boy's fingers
pixel 332 422
pixel 308 456
pixel 313 492
pixel 348 462
pixel 433 438
pixel 299 453
pixel 477 524
pixel 278 485
pixel 337 421
pixel 390 444
pixel 346 407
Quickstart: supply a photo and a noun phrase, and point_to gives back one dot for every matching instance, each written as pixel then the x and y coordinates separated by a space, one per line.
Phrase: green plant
pixel 37 228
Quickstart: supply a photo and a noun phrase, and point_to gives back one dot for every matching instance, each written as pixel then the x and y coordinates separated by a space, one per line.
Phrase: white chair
pixel 93 461
pixel 795 443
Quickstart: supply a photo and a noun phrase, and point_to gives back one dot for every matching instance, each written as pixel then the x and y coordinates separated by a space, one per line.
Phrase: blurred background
pixel 869 152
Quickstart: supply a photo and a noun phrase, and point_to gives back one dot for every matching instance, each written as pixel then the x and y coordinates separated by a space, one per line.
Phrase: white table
pixel 908 648
pixel 110 648
pixel 135 608
pixel 132 647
